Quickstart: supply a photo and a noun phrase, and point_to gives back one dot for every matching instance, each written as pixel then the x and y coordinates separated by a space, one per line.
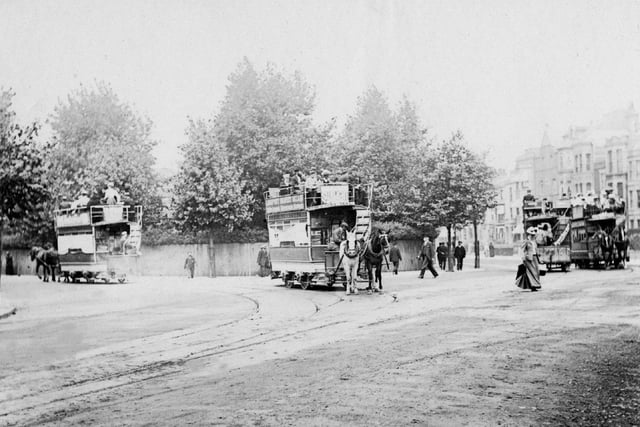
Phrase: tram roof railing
pixel 280 199
pixel 98 215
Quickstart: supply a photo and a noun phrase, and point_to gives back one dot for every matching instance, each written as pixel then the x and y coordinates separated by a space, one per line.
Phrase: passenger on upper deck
pixel 81 201
pixel 285 184
pixel 297 180
pixel 111 195
pixel 528 197
pixel 311 184
pixel 326 177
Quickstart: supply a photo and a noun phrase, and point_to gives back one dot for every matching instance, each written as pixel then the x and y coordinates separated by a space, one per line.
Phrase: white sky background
pixel 497 70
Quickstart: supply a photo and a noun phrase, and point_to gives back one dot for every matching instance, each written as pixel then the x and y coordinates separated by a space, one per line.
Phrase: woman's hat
pixel 532 230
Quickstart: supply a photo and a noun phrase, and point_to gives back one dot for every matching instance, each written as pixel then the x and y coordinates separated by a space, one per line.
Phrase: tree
pixel 209 191
pixel 99 139
pixel 381 146
pixel 23 169
pixel 266 126
pixel 452 185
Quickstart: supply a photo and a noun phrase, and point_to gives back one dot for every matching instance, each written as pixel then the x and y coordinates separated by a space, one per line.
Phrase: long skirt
pixel 528 276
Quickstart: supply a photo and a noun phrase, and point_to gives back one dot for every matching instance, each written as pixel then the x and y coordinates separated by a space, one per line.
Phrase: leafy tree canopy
pixel 381 145
pixel 23 168
pixel 209 190
pixel 99 139
pixel 452 185
pixel 266 126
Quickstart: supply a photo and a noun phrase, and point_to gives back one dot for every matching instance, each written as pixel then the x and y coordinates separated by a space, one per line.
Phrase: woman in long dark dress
pixel 529 273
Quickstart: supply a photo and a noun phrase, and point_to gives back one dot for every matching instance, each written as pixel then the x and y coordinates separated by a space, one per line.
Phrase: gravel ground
pixel 464 349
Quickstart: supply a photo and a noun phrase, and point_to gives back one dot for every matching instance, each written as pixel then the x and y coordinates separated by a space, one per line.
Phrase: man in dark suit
pixel 442 252
pixel 426 255
pixel 395 256
pixel 459 253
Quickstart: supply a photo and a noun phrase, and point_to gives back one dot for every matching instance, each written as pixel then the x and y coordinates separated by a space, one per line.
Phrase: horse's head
pixel 34 252
pixel 351 244
pixel 384 238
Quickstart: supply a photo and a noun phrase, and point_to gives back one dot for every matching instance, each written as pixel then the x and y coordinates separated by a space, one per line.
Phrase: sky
pixel 499 71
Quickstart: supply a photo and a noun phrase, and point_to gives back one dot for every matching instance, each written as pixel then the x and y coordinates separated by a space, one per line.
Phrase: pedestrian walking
pixel 528 276
pixel 264 262
pixel 190 265
pixel 9 270
pixel 441 252
pixel 459 253
pixel 395 256
pixel 426 255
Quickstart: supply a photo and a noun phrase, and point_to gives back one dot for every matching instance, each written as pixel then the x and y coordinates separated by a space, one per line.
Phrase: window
pixel 610 161
pixel 576 159
pixel 631 223
pixel 638 198
pixel 517 211
pixel 510 212
pixel 510 194
pixel 580 162
pixel 620 189
pixel 618 160
pixel 588 161
pixel 577 188
pixel 588 186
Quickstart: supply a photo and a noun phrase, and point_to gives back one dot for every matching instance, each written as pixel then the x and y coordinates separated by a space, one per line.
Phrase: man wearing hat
pixel 81 201
pixel 339 234
pixel 426 255
pixel 111 195
pixel 264 262
pixel 528 276
pixel 190 265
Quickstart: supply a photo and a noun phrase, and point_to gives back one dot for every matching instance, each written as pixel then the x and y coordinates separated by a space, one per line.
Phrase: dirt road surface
pixel 467 348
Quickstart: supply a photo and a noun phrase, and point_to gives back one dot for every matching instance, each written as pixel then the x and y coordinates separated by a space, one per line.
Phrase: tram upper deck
pixel 98 215
pixel 324 196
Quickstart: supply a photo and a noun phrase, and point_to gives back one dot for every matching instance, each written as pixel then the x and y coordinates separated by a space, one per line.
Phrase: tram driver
pixel 338 236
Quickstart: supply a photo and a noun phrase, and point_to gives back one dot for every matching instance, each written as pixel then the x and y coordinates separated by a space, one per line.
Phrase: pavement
pixel 7 308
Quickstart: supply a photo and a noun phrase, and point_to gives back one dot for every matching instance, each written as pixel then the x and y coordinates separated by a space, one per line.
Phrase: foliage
pixel 380 146
pixel 209 190
pixel 100 139
pixel 266 126
pixel 453 185
pixel 23 166
pixel 171 236
pixel 401 231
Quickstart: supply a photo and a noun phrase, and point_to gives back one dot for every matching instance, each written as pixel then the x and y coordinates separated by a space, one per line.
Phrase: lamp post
pixel 476 244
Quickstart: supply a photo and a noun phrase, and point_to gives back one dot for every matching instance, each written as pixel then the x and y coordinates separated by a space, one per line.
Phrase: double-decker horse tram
pixel 100 242
pixel 598 236
pixel 301 222
pixel 553 221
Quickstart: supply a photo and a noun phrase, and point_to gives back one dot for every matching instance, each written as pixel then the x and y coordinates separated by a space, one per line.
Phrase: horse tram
pixel 99 243
pixel 598 235
pixel 553 221
pixel 301 223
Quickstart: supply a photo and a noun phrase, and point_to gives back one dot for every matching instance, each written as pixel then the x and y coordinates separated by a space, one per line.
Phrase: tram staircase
pixel 362 227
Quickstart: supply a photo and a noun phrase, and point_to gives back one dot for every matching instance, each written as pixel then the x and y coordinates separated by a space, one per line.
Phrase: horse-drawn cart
pixel 99 242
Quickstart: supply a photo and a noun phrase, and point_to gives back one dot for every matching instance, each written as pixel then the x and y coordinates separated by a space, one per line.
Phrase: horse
pixel 621 245
pixel 350 256
pixel 373 254
pixel 48 259
pixel 605 243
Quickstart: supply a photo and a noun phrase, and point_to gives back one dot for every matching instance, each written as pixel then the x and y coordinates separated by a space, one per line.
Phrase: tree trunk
pixel 449 250
pixel 212 256
pixel 476 244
